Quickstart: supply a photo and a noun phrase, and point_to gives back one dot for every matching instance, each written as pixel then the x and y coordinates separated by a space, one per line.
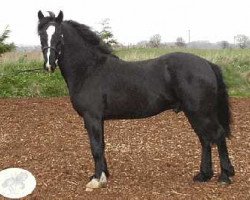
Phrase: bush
pixel 3 46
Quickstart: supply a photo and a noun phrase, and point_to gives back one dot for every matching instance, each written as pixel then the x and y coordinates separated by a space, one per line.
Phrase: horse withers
pixel 102 86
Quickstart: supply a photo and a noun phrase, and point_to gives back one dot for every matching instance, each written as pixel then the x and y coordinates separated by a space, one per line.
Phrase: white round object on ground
pixel 16 183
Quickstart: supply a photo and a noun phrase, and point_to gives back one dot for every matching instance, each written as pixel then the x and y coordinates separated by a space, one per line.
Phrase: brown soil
pixel 153 158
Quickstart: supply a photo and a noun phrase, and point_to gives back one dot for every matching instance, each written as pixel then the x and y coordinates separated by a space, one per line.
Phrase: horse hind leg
pixel 206 170
pixel 208 130
pixel 227 169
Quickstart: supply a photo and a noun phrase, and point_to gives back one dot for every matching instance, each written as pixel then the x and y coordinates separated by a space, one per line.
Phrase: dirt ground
pixel 153 158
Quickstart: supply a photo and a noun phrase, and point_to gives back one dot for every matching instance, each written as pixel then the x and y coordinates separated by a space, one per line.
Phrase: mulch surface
pixel 152 158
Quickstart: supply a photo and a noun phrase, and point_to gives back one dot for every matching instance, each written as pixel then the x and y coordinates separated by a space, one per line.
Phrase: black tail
pixel 223 107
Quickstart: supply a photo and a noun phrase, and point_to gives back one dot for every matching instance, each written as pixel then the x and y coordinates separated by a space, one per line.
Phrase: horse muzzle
pixel 50 68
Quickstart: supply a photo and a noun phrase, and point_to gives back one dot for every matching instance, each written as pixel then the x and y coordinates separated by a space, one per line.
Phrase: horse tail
pixel 223 107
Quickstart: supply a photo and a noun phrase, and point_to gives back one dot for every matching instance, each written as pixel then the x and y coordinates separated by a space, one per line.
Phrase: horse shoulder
pixel 88 98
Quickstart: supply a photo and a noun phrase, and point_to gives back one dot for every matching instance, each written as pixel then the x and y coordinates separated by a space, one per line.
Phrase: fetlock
pixel 203 177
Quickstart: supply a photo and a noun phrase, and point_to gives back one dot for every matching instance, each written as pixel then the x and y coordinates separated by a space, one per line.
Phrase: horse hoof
pixel 97 183
pixel 231 171
pixel 201 177
pixel 89 189
pixel 224 179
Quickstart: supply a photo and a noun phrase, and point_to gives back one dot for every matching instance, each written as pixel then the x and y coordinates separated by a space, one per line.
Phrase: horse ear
pixel 59 18
pixel 40 15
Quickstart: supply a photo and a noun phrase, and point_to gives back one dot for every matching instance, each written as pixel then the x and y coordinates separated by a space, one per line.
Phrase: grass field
pixel 234 62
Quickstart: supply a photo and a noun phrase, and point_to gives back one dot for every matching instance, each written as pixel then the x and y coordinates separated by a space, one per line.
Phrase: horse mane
pixel 90 37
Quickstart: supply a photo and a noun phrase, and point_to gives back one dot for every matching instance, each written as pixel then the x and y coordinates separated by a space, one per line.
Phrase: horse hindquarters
pixel 200 100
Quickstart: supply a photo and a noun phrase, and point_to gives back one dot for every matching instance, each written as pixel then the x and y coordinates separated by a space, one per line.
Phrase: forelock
pixel 45 23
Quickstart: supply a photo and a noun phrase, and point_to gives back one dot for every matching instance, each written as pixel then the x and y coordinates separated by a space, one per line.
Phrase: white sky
pixel 135 20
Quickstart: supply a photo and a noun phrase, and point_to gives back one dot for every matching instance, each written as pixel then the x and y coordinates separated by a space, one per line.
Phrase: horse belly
pixel 135 106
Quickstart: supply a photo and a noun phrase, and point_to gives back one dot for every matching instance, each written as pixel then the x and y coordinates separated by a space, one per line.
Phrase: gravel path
pixel 153 158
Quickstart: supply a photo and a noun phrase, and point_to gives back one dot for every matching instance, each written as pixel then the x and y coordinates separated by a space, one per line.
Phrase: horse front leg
pixel 94 126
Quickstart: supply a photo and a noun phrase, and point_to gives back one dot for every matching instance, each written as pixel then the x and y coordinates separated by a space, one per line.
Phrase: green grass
pixel 29 84
pixel 235 64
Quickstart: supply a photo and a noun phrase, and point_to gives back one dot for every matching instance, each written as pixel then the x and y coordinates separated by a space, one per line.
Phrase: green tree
pixel 242 40
pixel 3 46
pixel 155 41
pixel 106 32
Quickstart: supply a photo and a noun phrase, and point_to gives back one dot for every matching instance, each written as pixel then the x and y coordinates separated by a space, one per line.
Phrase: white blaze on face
pixel 50 31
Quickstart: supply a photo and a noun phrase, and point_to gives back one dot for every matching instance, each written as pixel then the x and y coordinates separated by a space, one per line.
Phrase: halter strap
pixel 49 47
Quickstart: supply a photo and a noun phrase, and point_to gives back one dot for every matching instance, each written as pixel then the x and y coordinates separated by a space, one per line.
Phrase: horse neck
pixel 76 59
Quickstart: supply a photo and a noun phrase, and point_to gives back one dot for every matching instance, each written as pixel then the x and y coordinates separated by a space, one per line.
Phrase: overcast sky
pixel 135 20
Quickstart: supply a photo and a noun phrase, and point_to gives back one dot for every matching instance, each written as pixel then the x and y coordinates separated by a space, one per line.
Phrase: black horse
pixel 102 87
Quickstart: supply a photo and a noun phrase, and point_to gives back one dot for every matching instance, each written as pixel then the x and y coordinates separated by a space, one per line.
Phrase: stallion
pixel 102 87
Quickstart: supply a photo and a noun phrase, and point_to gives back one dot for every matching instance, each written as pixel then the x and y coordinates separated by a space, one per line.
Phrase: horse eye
pixel 43 43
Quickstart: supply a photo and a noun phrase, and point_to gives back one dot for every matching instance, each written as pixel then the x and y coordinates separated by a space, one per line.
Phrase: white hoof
pixel 89 189
pixel 97 183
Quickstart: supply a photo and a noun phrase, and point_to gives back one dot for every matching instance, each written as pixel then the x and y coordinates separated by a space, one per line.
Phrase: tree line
pixel 155 41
